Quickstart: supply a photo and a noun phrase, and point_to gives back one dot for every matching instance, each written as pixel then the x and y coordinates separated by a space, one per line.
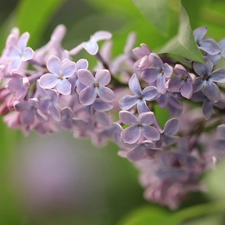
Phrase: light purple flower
pixel 47 102
pixel 159 72
pixel 68 120
pixel 142 53
pixel 207 79
pixel 167 135
pixel 206 44
pixel 19 53
pixel 28 111
pixel 149 93
pixel 170 101
pixel 91 46
pixel 95 86
pixel 139 126
pixel 182 82
pixel 142 150
pixel 59 72
pixel 207 106
pixel 18 84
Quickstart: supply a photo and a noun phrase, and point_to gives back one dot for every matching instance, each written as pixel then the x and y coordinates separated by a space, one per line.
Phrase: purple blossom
pixel 170 101
pixel 139 126
pixel 219 144
pixel 68 120
pixel 149 93
pixel 60 71
pixel 207 106
pixel 28 111
pixel 207 79
pixel 142 53
pixel 91 46
pixel 47 102
pixel 19 53
pixel 167 135
pixel 142 150
pixel 18 84
pixel 182 82
pixel 95 86
pixel 159 72
pixel 206 44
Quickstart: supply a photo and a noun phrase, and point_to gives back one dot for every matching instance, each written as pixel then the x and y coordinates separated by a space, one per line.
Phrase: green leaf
pixel 183 44
pixel 215 181
pixel 153 215
pixel 33 16
pixel 156 11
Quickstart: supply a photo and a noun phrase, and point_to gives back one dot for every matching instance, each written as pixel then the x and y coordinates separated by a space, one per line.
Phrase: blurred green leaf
pixel 215 181
pixel 33 16
pixel 183 44
pixel 153 215
pixel 156 11
pixel 162 115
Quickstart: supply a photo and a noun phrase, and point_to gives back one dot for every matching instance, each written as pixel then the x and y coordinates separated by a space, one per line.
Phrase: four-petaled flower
pixel 60 71
pixel 95 86
pixel 207 79
pixel 19 53
pixel 139 126
pixel 149 93
pixel 182 82
pixel 206 44
pixel 159 72
pixel 18 84
pixel 91 46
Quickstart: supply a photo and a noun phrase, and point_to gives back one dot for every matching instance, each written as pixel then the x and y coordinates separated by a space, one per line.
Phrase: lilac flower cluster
pixel 46 91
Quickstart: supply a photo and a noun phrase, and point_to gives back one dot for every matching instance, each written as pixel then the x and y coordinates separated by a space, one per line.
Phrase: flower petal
pixel 81 64
pixel 161 86
pixel 142 106
pixel 54 65
pixel 86 77
pixel 128 118
pixel 91 47
pixel 134 85
pixel 168 70
pixel 186 90
pixel 87 96
pixel 175 83
pixel 64 87
pixel 103 77
pixel 150 93
pixel 146 118
pixel 106 94
pixel 150 133
pixel 179 70
pixel 68 68
pixel 212 91
pixel 22 42
pixel 28 54
pixel 101 35
pixel 198 84
pixel 27 117
pixel 48 81
pixel 131 134
pixel 218 75
pixel 199 33
pixel 150 75
pixel 171 127
pixel 136 154
pixel 155 60
pixel 128 101
pixel 210 46
pixel 207 109
pixel 203 69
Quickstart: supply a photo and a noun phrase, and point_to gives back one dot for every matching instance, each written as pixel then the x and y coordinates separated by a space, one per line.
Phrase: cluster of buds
pixel 46 91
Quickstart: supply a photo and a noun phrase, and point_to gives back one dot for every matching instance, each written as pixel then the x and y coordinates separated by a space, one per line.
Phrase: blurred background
pixel 57 179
